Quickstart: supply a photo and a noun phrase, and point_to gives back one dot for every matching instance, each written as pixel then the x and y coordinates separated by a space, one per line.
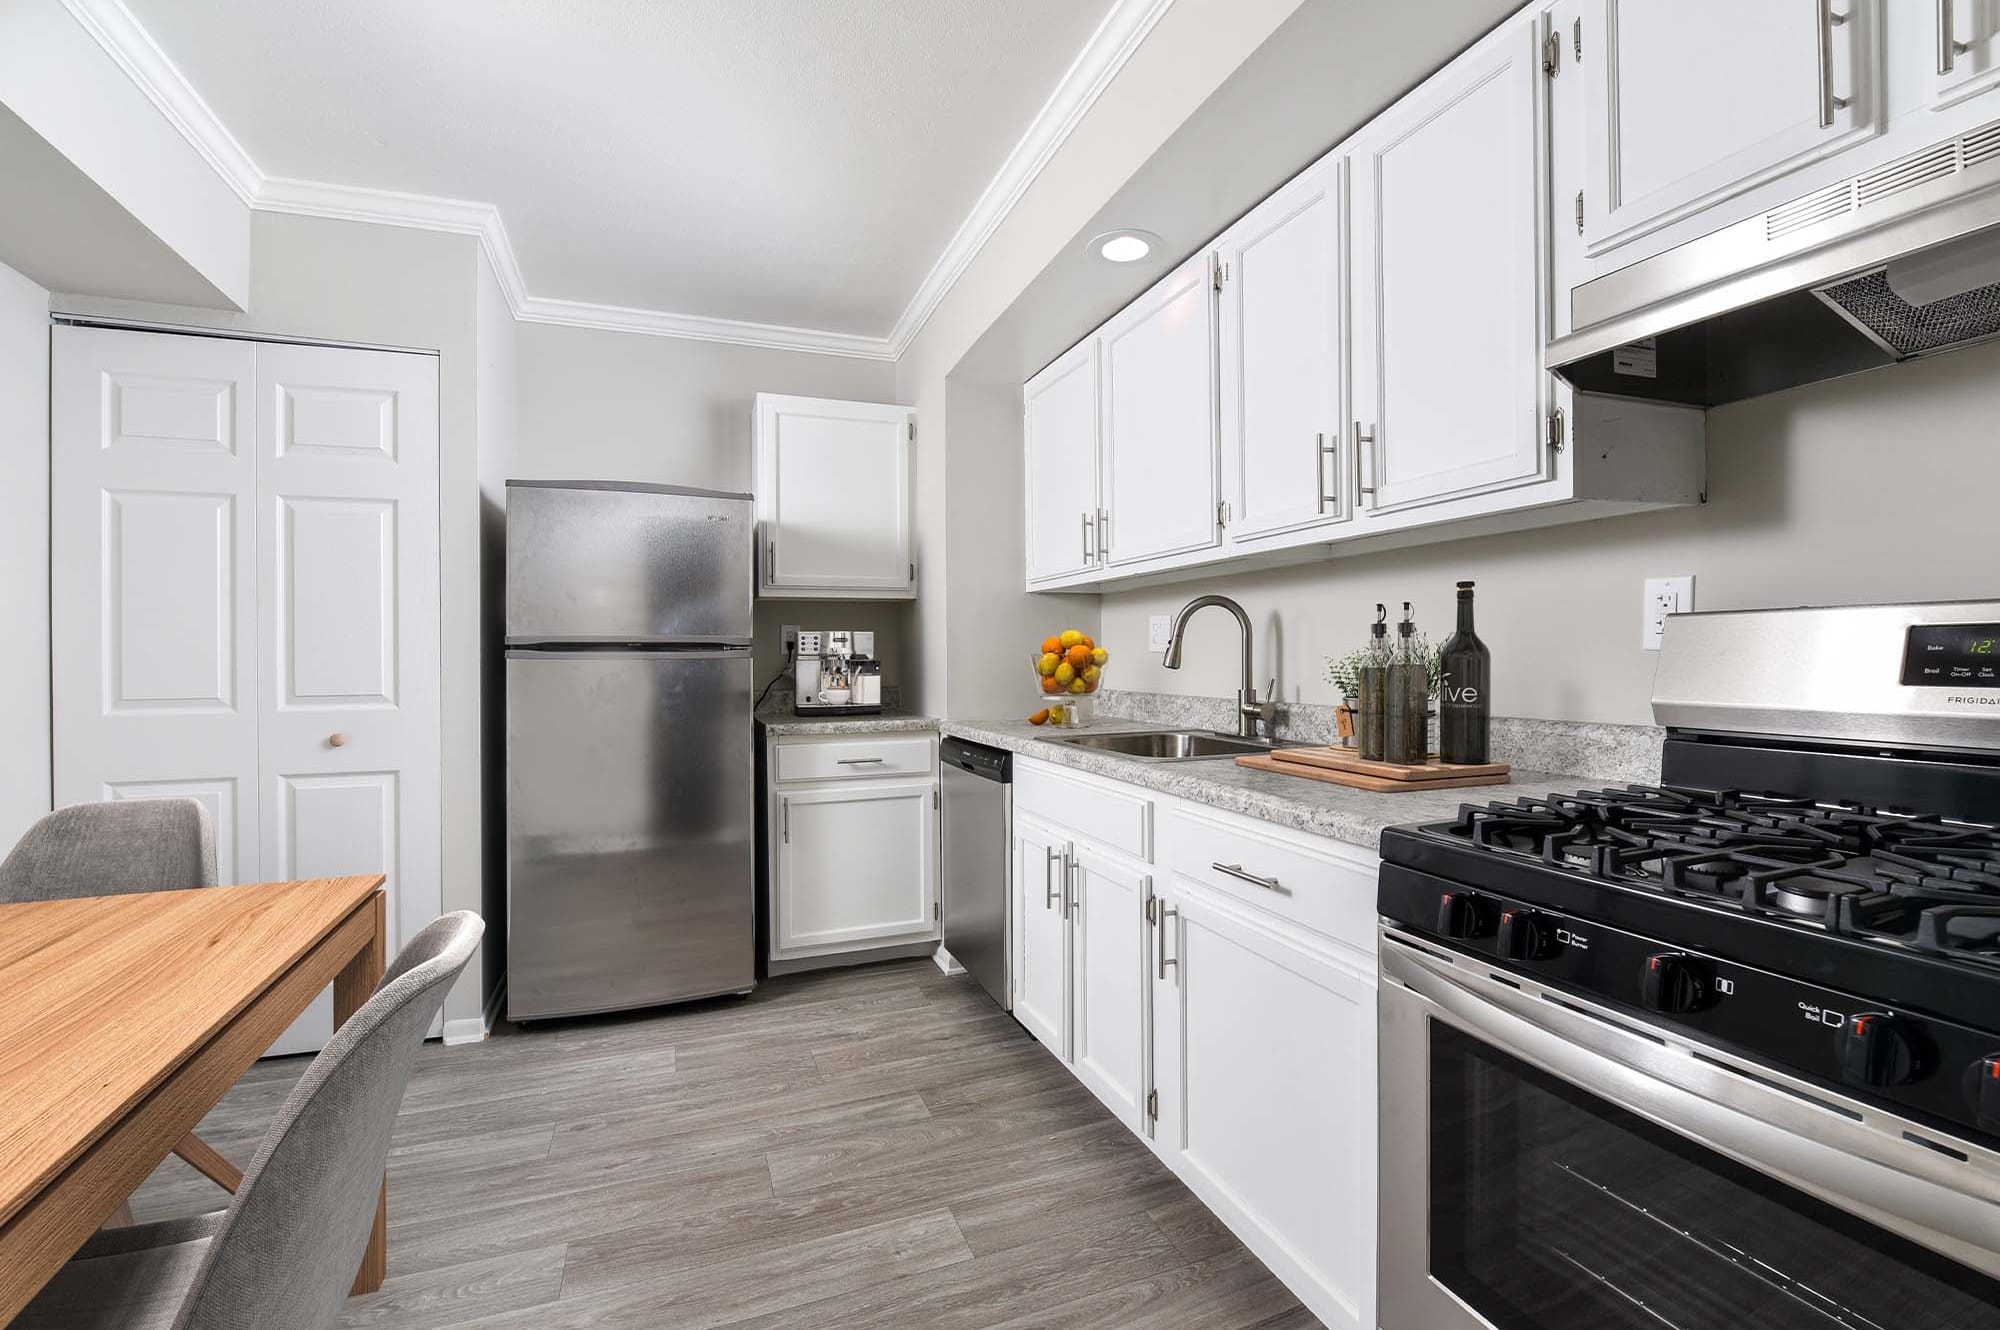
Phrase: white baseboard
pixel 946 963
pixel 472 1029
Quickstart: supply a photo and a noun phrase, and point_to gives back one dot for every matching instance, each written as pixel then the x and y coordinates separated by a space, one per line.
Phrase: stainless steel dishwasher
pixel 978 843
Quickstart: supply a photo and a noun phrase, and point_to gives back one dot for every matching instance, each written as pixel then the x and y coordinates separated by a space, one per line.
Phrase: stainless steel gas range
pixel 1722 1054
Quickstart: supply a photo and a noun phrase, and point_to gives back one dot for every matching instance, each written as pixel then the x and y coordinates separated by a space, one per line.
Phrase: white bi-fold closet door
pixel 244 602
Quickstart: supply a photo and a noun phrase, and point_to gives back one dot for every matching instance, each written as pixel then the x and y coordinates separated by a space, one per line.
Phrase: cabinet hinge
pixel 937 910
pixel 1152 910
pixel 1153 1105
pixel 913 572
pixel 1221 273
pixel 1222 512
pixel 934 799
pixel 1576 36
pixel 1552 53
pixel 913 431
pixel 1556 430
pixel 1579 212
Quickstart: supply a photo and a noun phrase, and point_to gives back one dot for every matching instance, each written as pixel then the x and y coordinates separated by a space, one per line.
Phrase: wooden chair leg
pixel 209 1162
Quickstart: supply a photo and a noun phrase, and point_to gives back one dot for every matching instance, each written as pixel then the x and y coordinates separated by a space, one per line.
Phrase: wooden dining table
pixel 123 1019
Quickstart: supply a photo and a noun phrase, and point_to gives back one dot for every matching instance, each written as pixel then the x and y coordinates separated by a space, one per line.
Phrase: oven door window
pixel 1551 1209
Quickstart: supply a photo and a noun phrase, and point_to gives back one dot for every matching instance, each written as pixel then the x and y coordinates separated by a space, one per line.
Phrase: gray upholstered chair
pixel 285 1251
pixel 114 849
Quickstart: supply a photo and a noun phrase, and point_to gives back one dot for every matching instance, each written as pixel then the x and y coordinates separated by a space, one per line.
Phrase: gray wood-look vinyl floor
pixel 875 1147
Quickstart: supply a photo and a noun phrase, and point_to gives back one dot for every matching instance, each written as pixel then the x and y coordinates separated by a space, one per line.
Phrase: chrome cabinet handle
pixel 1166 912
pixel 1049 877
pixel 785 815
pixel 1949 47
pixel 1326 450
pixel 1242 874
pixel 1070 870
pixel 1828 103
pixel 858 761
pixel 1362 458
pixel 1087 555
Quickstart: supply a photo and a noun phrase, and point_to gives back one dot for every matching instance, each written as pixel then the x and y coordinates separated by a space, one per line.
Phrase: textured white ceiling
pixel 796 162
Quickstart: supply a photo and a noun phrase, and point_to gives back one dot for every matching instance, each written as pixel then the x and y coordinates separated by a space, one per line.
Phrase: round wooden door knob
pixel 335 740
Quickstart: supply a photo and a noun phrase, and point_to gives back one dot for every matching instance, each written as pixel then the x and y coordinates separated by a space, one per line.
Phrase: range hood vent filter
pixel 1903 329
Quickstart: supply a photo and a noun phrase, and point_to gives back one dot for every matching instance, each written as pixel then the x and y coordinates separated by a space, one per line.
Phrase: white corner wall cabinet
pixel 833 499
pixel 1355 364
pixel 851 845
pixel 245 603
pixel 1211 979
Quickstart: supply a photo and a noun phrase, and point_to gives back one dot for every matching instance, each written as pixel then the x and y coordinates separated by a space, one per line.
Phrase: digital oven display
pixel 1956 655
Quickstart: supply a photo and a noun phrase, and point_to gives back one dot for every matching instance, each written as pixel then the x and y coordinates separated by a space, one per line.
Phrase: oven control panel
pixel 1952 655
pixel 1910 1061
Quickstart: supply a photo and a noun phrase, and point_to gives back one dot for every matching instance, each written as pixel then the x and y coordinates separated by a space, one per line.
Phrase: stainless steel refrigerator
pixel 630 781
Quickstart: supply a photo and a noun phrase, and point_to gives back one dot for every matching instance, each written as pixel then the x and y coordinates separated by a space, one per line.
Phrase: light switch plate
pixel 1664 596
pixel 1159 632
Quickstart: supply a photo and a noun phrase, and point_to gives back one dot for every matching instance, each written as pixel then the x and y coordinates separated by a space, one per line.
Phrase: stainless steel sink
pixel 1166 745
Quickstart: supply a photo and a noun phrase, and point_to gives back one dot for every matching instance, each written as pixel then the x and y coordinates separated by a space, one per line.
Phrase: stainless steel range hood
pixel 1899 261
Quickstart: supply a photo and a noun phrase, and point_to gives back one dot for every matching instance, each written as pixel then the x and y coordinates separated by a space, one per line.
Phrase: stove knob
pixel 1525 936
pixel 1674 982
pixel 1983 1082
pixel 1464 914
pixel 1878 1050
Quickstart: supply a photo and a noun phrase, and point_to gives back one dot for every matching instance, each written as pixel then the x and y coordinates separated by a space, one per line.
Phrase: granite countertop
pixel 1335 811
pixel 777 718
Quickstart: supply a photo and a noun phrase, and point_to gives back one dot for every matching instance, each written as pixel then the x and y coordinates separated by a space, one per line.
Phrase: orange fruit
pixel 1078 656
pixel 1040 717
pixel 1049 685
pixel 1051 645
pixel 1084 640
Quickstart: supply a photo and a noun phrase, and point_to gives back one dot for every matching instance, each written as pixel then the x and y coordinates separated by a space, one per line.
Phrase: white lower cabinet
pixel 1220 999
pixel 854 858
pixel 1265 1062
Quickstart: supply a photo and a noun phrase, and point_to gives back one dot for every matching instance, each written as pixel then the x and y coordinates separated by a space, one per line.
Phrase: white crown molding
pixel 1116 38
pixel 128 43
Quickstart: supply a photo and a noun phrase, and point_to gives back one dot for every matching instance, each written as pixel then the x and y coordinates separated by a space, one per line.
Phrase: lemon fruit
pixel 1078 686
pixel 1065 672
pixel 1097 657
pixel 1047 664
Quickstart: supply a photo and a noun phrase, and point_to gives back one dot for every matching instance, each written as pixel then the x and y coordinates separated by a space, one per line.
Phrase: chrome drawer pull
pixel 857 761
pixel 1237 871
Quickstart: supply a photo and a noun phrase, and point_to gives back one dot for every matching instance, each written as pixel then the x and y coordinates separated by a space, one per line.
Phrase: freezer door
pixel 630 818
pixel 627 563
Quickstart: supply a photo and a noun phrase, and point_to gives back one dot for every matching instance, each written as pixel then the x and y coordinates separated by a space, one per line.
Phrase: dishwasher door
pixel 978 839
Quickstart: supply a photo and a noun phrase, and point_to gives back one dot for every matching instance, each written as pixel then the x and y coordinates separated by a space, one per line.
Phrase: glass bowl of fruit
pixel 1069 669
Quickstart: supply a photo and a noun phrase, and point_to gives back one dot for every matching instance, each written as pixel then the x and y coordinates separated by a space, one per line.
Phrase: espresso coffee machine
pixel 836 674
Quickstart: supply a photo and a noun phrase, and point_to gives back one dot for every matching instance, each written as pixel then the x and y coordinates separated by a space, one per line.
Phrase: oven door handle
pixel 1864 1164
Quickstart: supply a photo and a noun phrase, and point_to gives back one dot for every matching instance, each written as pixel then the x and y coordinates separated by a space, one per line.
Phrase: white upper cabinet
pixel 1694 101
pixel 833 499
pixel 1158 362
pixel 1965 37
pixel 1059 428
pixel 1284 359
pixel 1448 343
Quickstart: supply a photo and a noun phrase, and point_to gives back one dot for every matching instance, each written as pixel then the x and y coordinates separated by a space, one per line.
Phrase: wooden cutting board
pixel 1358 780
pixel 1347 759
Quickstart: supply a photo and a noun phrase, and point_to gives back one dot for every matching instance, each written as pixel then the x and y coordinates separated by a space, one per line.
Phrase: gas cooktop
pixel 1891 878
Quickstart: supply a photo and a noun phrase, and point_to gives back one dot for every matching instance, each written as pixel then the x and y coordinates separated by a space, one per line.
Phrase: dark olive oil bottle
pixel 1464 705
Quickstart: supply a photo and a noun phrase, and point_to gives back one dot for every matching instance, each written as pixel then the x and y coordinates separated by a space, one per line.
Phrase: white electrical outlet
pixel 1664 596
pixel 1159 632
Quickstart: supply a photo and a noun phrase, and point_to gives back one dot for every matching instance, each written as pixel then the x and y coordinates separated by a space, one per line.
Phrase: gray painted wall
pixel 24 554
pixel 1879 487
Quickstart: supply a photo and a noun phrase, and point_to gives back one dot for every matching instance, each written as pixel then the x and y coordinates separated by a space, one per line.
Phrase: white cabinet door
pixel 1059 435
pixel 1284 358
pixel 1041 959
pixel 1965 38
pixel 347 569
pixel 1157 357
pixel 833 498
pixel 1108 939
pixel 1266 1069
pixel 1695 101
pixel 856 865
pixel 1447 348
pixel 154 576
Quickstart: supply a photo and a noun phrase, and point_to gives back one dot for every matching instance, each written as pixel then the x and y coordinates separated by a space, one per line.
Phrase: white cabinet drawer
pixel 1091 806
pixel 863 755
pixel 1288 876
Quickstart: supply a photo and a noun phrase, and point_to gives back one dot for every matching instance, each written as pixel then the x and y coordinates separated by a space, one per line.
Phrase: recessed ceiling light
pixel 1124 246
